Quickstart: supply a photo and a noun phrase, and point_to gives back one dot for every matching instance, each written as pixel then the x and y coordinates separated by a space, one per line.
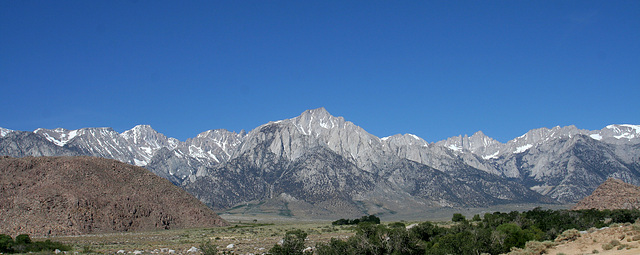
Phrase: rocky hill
pixel 612 194
pixel 80 195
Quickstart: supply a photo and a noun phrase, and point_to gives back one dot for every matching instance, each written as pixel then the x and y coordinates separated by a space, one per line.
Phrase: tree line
pixel 364 219
pixel 24 244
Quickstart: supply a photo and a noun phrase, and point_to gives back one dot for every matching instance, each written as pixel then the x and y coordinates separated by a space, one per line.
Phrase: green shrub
pixel 87 249
pixel 624 246
pixel 292 244
pixel 334 247
pixel 536 247
pixel 208 248
pixel 568 236
pixel 397 225
pixel 373 239
pixel 610 245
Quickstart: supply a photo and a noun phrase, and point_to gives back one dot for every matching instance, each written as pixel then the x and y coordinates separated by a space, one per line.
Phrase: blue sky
pixel 432 68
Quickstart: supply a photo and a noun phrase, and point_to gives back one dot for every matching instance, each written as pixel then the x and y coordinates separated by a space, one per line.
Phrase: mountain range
pixel 317 164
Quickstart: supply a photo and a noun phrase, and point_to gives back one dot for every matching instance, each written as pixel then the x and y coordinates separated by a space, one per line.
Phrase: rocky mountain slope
pixel 333 167
pixel 81 195
pixel 612 194
pixel 565 163
pixel 326 163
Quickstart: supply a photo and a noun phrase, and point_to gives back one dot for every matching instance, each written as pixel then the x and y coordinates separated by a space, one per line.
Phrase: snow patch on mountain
pixel 494 155
pixel 58 136
pixel 454 147
pixel 139 162
pixel 4 131
pixel 635 127
pixel 522 149
pixel 625 131
pixel 596 136
pixel 53 140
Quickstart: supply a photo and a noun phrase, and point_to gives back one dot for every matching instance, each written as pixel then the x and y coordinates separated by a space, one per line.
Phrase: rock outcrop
pixel 612 194
pixel 81 195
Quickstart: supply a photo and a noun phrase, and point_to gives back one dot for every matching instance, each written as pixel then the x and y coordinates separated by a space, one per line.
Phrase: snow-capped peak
pixel 138 132
pixel 624 131
pixel 4 131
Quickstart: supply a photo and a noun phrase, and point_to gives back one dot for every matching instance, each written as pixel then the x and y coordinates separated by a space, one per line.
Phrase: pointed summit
pixel 143 128
pixel 315 120
pixel 479 139
pixel 479 133
pixel 139 133
pixel 318 113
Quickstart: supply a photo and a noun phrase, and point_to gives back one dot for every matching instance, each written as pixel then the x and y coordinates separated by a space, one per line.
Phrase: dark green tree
pixel 457 217
pixel 23 239
pixel 5 243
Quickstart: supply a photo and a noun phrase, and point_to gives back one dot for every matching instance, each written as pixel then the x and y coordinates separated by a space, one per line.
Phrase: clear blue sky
pixel 432 68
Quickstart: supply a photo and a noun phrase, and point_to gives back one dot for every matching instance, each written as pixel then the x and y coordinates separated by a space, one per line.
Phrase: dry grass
pixel 245 237
pixel 612 240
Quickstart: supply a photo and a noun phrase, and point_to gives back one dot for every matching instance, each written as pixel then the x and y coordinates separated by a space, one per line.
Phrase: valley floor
pixel 257 233
pixel 241 238
pixel 250 212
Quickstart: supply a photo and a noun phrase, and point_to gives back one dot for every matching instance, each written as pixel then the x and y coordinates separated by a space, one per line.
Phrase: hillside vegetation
pixel 495 233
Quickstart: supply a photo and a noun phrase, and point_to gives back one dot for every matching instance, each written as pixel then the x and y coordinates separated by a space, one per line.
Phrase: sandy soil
pixel 592 243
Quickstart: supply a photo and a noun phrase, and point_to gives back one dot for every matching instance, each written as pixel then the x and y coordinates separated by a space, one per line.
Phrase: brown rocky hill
pixel 612 194
pixel 80 195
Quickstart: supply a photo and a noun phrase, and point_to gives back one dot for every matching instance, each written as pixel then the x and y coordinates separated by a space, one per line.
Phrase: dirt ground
pixel 625 241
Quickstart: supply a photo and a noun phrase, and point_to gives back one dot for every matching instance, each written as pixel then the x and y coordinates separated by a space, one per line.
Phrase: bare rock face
pixel 80 195
pixel 612 194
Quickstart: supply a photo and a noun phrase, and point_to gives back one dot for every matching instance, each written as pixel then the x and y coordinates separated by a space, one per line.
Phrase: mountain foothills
pixel 317 164
pixel 612 194
pixel 81 195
